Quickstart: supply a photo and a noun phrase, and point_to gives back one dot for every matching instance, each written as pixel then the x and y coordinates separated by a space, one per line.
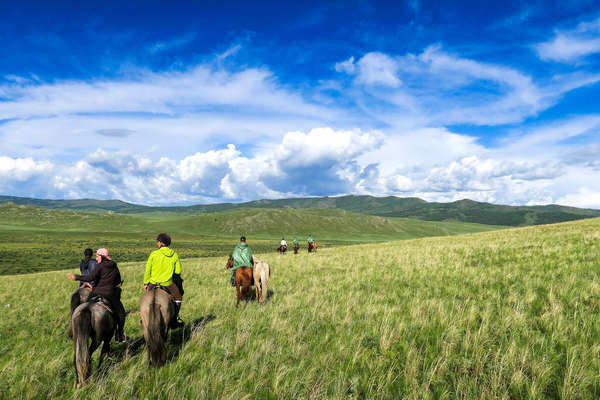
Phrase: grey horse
pixel 156 310
pixel 90 321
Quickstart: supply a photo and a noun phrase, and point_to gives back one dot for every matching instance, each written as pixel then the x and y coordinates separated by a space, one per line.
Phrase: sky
pixel 176 103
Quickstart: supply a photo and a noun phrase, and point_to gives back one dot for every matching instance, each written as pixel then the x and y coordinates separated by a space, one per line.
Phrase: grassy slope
pixel 504 314
pixel 36 239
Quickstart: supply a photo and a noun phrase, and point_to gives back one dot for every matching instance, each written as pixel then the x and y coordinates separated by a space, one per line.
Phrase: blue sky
pixel 159 103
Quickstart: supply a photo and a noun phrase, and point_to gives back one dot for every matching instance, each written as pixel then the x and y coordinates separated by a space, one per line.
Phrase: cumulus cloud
pixel 318 162
pixel 572 45
pixel 22 169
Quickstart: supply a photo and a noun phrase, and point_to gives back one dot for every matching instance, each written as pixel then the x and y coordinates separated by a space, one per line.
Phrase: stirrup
pixel 177 323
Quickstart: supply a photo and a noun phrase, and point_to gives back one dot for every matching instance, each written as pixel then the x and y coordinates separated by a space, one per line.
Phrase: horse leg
pixel 104 351
pixel 239 295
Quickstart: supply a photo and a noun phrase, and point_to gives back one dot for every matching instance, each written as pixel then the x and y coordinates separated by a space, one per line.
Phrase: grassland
pixel 507 314
pixel 35 239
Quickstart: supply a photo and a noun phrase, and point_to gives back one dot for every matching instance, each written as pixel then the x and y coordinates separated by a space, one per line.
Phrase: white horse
pixel 262 272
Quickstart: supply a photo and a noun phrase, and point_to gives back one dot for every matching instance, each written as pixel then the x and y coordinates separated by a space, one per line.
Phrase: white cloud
pixel 572 45
pixel 346 66
pixel 584 198
pixel 170 93
pixel 22 169
pixel 377 69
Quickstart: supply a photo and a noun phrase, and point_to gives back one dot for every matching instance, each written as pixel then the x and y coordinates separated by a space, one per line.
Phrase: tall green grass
pixel 496 315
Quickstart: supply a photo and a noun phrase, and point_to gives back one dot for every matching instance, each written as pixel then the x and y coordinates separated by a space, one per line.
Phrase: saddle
pixel 164 289
pixel 102 301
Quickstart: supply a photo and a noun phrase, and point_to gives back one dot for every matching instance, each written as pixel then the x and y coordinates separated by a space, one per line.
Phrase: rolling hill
pixel 462 210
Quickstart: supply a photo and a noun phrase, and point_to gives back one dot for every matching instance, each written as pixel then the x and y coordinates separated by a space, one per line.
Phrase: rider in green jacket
pixel 242 257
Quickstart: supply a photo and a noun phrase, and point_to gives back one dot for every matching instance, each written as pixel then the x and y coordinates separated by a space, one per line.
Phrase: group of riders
pixel 163 269
pixel 310 244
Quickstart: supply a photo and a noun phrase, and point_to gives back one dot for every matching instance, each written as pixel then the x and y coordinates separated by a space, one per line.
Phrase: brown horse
pixel 282 249
pixel 312 247
pixel 90 321
pixel 243 278
pixel 296 248
pixel 156 310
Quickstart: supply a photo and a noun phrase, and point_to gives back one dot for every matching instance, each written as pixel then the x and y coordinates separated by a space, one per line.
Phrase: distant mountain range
pixel 462 210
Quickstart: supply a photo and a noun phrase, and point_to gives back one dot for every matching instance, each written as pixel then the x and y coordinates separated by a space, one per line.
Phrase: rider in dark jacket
pixel 107 283
pixel 88 265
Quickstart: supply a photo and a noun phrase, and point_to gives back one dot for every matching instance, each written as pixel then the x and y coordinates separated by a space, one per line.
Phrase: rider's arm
pixel 148 272
pixel 177 265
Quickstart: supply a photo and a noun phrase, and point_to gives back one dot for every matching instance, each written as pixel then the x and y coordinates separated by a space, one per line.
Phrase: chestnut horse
pixel 243 278
pixel 312 247
pixel 282 249
pixel 296 247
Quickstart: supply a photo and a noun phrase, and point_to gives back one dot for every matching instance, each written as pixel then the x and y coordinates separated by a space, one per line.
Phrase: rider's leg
pixel 120 314
pixel 176 322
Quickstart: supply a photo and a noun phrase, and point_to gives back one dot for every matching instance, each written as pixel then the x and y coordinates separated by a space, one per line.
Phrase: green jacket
pixel 161 266
pixel 296 241
pixel 242 256
pixel 310 239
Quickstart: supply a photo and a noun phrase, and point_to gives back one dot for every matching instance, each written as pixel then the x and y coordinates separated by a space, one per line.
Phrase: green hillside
pixel 462 210
pixel 37 239
pixel 508 314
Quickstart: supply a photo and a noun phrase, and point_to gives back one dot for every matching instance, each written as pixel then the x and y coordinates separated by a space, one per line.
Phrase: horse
pixel 262 273
pixel 282 249
pixel 79 296
pixel 312 246
pixel 90 321
pixel 243 277
pixel 156 310
pixel 296 248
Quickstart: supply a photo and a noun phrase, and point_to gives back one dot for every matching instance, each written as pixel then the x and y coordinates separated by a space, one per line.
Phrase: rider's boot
pixel 176 322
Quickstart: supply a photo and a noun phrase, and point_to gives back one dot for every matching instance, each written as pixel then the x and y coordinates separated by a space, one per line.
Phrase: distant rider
pixel 242 257
pixel 107 283
pixel 296 241
pixel 283 243
pixel 164 269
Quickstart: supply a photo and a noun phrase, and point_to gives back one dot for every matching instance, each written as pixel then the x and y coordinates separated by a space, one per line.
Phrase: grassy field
pixel 34 239
pixel 508 314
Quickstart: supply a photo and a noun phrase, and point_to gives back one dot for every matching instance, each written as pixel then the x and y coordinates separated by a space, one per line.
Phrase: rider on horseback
pixel 163 269
pixel 106 282
pixel 242 257
pixel 283 243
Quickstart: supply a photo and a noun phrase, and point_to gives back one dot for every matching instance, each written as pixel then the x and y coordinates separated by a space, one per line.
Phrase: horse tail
pixel 156 340
pixel 82 329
